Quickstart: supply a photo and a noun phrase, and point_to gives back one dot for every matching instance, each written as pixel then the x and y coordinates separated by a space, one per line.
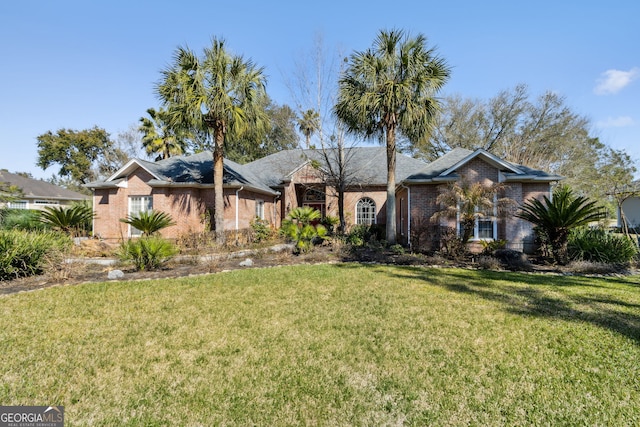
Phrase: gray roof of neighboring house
pixel 365 165
pixel 35 188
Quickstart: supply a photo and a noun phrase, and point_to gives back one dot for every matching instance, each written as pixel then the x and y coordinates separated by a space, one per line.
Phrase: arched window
pixel 366 211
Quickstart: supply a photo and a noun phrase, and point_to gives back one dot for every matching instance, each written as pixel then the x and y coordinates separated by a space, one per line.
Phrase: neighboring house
pixel 269 188
pixel 38 194
pixel 631 207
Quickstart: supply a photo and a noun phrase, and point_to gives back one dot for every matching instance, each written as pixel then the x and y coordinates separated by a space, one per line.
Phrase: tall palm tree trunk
pixel 391 185
pixel 218 178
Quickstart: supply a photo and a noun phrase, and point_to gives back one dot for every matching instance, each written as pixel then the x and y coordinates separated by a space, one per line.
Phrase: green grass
pixel 329 345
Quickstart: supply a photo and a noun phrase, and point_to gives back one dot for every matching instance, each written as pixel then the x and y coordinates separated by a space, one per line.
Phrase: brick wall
pixel 517 232
pixel 189 207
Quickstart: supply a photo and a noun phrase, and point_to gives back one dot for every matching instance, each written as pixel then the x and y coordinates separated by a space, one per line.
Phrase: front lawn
pixel 341 344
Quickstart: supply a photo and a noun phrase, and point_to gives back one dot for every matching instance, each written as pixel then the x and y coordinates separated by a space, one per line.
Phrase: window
pixel 139 204
pixel 366 211
pixel 485 227
pixel 260 209
pixel 19 204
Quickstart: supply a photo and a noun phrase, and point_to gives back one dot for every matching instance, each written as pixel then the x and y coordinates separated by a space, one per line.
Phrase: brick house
pixel 270 187
pixel 37 194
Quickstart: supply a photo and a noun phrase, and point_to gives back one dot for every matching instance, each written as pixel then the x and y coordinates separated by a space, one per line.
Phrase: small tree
pixel 558 216
pixel 470 201
pixel 299 227
pixel 149 222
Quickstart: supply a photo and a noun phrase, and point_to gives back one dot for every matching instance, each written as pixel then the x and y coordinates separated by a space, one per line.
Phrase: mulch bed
pixel 83 272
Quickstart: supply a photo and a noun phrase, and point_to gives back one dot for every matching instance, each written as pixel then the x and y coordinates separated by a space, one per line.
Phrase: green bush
pixel 261 230
pixel 25 253
pixel 147 253
pixel 330 223
pixel 361 234
pixel 299 227
pixel 149 222
pixel 75 220
pixel 22 219
pixel 599 245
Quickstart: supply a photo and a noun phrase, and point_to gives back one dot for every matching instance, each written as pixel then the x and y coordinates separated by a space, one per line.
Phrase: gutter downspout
pixel 237 219
pixel 408 213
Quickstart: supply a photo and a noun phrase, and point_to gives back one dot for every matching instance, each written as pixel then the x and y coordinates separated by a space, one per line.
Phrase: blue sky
pixel 79 64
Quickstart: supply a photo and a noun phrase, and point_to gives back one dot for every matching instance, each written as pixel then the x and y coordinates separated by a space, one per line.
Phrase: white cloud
pixel 612 81
pixel 616 122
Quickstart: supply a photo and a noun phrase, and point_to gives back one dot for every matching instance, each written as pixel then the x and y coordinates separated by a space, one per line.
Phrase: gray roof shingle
pixel 366 165
pixel 35 188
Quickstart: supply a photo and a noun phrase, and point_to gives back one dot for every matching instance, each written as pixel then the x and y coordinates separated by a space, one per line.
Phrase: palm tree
pixel 159 137
pixel 469 202
pixel 308 124
pixel 391 88
pixel 74 220
pixel 299 227
pixel 220 93
pixel 149 222
pixel 556 217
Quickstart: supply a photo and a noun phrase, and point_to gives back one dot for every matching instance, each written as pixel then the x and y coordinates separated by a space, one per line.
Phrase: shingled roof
pixel 38 189
pixel 367 165
pixel 444 168
pixel 192 170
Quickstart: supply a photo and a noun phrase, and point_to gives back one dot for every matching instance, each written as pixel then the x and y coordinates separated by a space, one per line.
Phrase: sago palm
pixel 557 216
pixel 71 220
pixel 219 93
pixel 149 222
pixel 388 89
pixel 471 201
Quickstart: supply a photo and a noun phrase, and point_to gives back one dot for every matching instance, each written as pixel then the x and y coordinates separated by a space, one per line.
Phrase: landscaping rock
pixel 246 263
pixel 115 274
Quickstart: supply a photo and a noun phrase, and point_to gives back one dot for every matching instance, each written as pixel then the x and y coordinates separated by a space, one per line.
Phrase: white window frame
pixel 146 205
pixel 371 215
pixel 476 228
pixel 18 204
pixel 260 208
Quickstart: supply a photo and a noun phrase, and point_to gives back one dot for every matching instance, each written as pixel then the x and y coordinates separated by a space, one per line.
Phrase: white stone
pixel 115 274
pixel 247 263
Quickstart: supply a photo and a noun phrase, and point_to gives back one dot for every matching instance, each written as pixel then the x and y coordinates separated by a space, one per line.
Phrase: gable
pixel 460 161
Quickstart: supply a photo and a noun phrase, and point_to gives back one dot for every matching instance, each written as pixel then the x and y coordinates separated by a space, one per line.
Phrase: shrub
pixel 556 217
pixel 361 234
pixel 330 223
pixel 22 219
pixel 486 262
pixel 147 253
pixel 397 249
pixel 489 246
pixel 600 246
pixel 149 222
pixel 452 244
pixel 75 220
pixel 299 228
pixel 512 260
pixel 25 253
pixel 261 230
